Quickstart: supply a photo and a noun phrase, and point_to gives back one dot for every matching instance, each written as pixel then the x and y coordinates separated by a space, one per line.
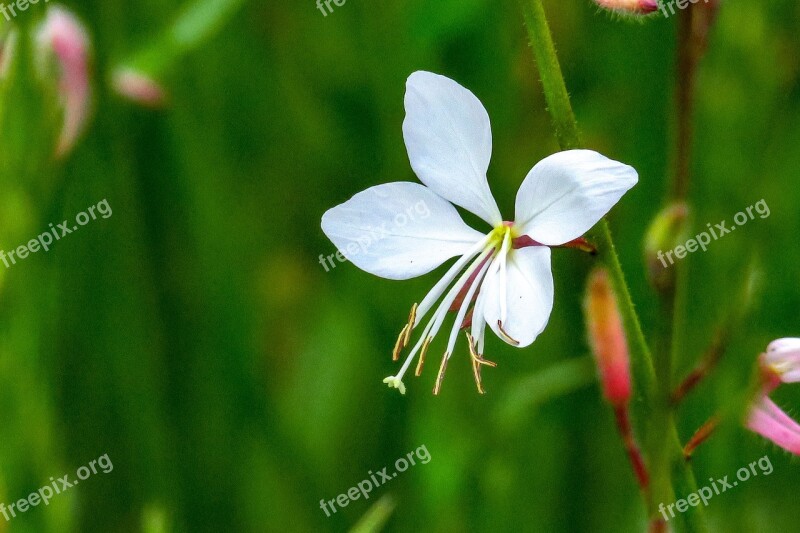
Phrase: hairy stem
pixel 654 411
pixel 555 90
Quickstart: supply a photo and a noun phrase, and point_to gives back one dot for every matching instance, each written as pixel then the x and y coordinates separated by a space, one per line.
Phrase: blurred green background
pixel 195 338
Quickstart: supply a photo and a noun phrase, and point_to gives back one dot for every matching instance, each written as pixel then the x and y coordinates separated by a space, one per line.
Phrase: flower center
pixel 498 234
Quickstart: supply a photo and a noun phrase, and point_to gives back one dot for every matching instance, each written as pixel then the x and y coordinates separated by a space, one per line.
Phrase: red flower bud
pixel 607 339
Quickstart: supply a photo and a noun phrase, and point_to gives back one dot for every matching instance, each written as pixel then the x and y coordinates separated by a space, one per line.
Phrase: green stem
pixel 555 90
pixel 196 23
pixel 569 137
pixel 660 420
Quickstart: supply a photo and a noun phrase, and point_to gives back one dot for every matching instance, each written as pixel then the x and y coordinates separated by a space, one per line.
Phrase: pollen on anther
pixel 476 357
pixel 477 362
pixel 476 371
pixel 400 344
pixel 412 318
pixel 423 351
pixel 506 337
pixel 440 376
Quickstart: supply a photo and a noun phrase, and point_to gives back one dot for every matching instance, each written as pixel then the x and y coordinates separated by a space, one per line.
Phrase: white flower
pixel 501 278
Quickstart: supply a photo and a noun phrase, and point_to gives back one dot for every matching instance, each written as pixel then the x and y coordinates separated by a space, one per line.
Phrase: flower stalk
pixel 610 349
pixel 138 77
pixel 668 451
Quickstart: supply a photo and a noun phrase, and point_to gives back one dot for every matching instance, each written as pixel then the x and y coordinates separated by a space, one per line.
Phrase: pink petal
pixel 139 88
pixel 64 34
pixel 769 421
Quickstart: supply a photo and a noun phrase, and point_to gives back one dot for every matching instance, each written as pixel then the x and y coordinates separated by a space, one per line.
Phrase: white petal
pixel 398 230
pixel 566 194
pixel 529 295
pixel 449 142
pixel 783 346
pixel 784 357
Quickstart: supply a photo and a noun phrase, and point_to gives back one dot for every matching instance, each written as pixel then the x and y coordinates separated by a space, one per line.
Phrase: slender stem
pixel 196 23
pixel 555 90
pixel 568 135
pixel 623 420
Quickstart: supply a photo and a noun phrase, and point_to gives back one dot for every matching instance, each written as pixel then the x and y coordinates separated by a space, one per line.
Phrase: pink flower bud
pixel 607 339
pixel 64 35
pixel 631 7
pixel 769 421
pixel 138 87
pixel 781 362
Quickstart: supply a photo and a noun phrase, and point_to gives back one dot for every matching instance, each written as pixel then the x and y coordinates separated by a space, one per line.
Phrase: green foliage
pixel 195 338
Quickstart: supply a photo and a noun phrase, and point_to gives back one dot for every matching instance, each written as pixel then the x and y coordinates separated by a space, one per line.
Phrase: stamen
pixel 479 322
pixel 462 295
pixel 412 317
pixel 502 268
pixel 477 362
pixel 440 376
pixel 418 371
pixel 476 280
pixel 435 323
pixel 436 292
pixel 478 357
pixel 508 338
pixel 400 344
pixel 476 372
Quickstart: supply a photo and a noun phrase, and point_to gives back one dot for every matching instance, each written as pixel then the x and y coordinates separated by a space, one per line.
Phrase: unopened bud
pixel 665 233
pixel 64 35
pixel 138 87
pixel 607 339
pixel 629 7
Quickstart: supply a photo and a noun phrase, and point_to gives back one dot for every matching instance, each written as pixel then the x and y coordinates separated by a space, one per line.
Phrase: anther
pixel 506 337
pixel 412 318
pixel 422 353
pixel 476 371
pixel 440 376
pixel 476 357
pixel 400 344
